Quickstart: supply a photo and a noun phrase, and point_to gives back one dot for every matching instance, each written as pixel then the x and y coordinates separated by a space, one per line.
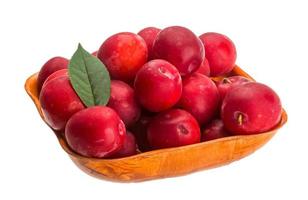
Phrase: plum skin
pixel 200 97
pixel 128 148
pixel 251 108
pixel 123 54
pixel 214 130
pixel 220 53
pixel 158 85
pixel 122 100
pixel 139 129
pixel 52 65
pixel 181 47
pixel 173 128
pixel 59 102
pixel 61 72
pixel 225 84
pixel 149 35
pixel 204 68
pixel 96 132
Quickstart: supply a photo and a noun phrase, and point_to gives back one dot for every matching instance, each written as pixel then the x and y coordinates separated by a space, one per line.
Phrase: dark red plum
pixel 158 85
pixel 181 47
pixel 225 84
pixel 128 148
pixel 96 132
pixel 220 52
pixel 52 65
pixel 204 68
pixel 61 72
pixel 59 102
pixel 123 101
pixel 200 97
pixel 173 128
pixel 214 131
pixel 139 129
pixel 251 108
pixel 149 35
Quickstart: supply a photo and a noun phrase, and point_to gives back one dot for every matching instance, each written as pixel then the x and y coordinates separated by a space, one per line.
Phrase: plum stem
pixel 226 80
pixel 240 119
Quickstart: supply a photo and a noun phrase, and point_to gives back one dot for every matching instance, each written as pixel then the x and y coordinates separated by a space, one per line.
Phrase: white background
pixel 271 40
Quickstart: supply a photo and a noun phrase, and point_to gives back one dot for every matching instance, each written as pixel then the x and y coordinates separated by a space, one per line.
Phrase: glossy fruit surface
pixel 214 131
pixel 61 72
pixel 251 108
pixel 149 35
pixel 95 132
pixel 52 65
pixel 128 148
pixel 173 128
pixel 181 47
pixel 59 102
pixel 225 84
pixel 158 85
pixel 200 97
pixel 122 100
pixel 204 68
pixel 220 52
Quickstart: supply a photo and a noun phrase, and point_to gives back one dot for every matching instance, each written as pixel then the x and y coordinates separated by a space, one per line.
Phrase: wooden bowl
pixel 165 162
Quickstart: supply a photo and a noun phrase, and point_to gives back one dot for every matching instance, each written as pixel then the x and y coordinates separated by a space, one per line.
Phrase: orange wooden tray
pixel 165 162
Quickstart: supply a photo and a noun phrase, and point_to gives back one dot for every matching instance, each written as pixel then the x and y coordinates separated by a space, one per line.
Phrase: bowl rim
pixel 69 151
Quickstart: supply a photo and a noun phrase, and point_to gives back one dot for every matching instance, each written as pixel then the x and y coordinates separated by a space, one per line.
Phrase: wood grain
pixel 165 162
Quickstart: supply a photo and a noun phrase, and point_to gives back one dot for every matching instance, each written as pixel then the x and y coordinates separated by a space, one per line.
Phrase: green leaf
pixel 89 78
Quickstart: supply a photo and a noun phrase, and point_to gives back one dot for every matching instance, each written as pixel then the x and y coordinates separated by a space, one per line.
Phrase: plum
pixel 122 100
pixel 96 132
pixel 251 108
pixel 59 102
pixel 204 68
pixel 173 128
pixel 158 85
pixel 128 148
pixel 200 97
pixel 61 72
pixel 214 131
pixel 220 52
pixel 139 129
pixel 149 35
pixel 52 65
pixel 123 54
pixel 181 47
pixel 225 84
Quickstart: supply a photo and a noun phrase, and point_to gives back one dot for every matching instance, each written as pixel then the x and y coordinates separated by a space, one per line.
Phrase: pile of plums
pixel 161 95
